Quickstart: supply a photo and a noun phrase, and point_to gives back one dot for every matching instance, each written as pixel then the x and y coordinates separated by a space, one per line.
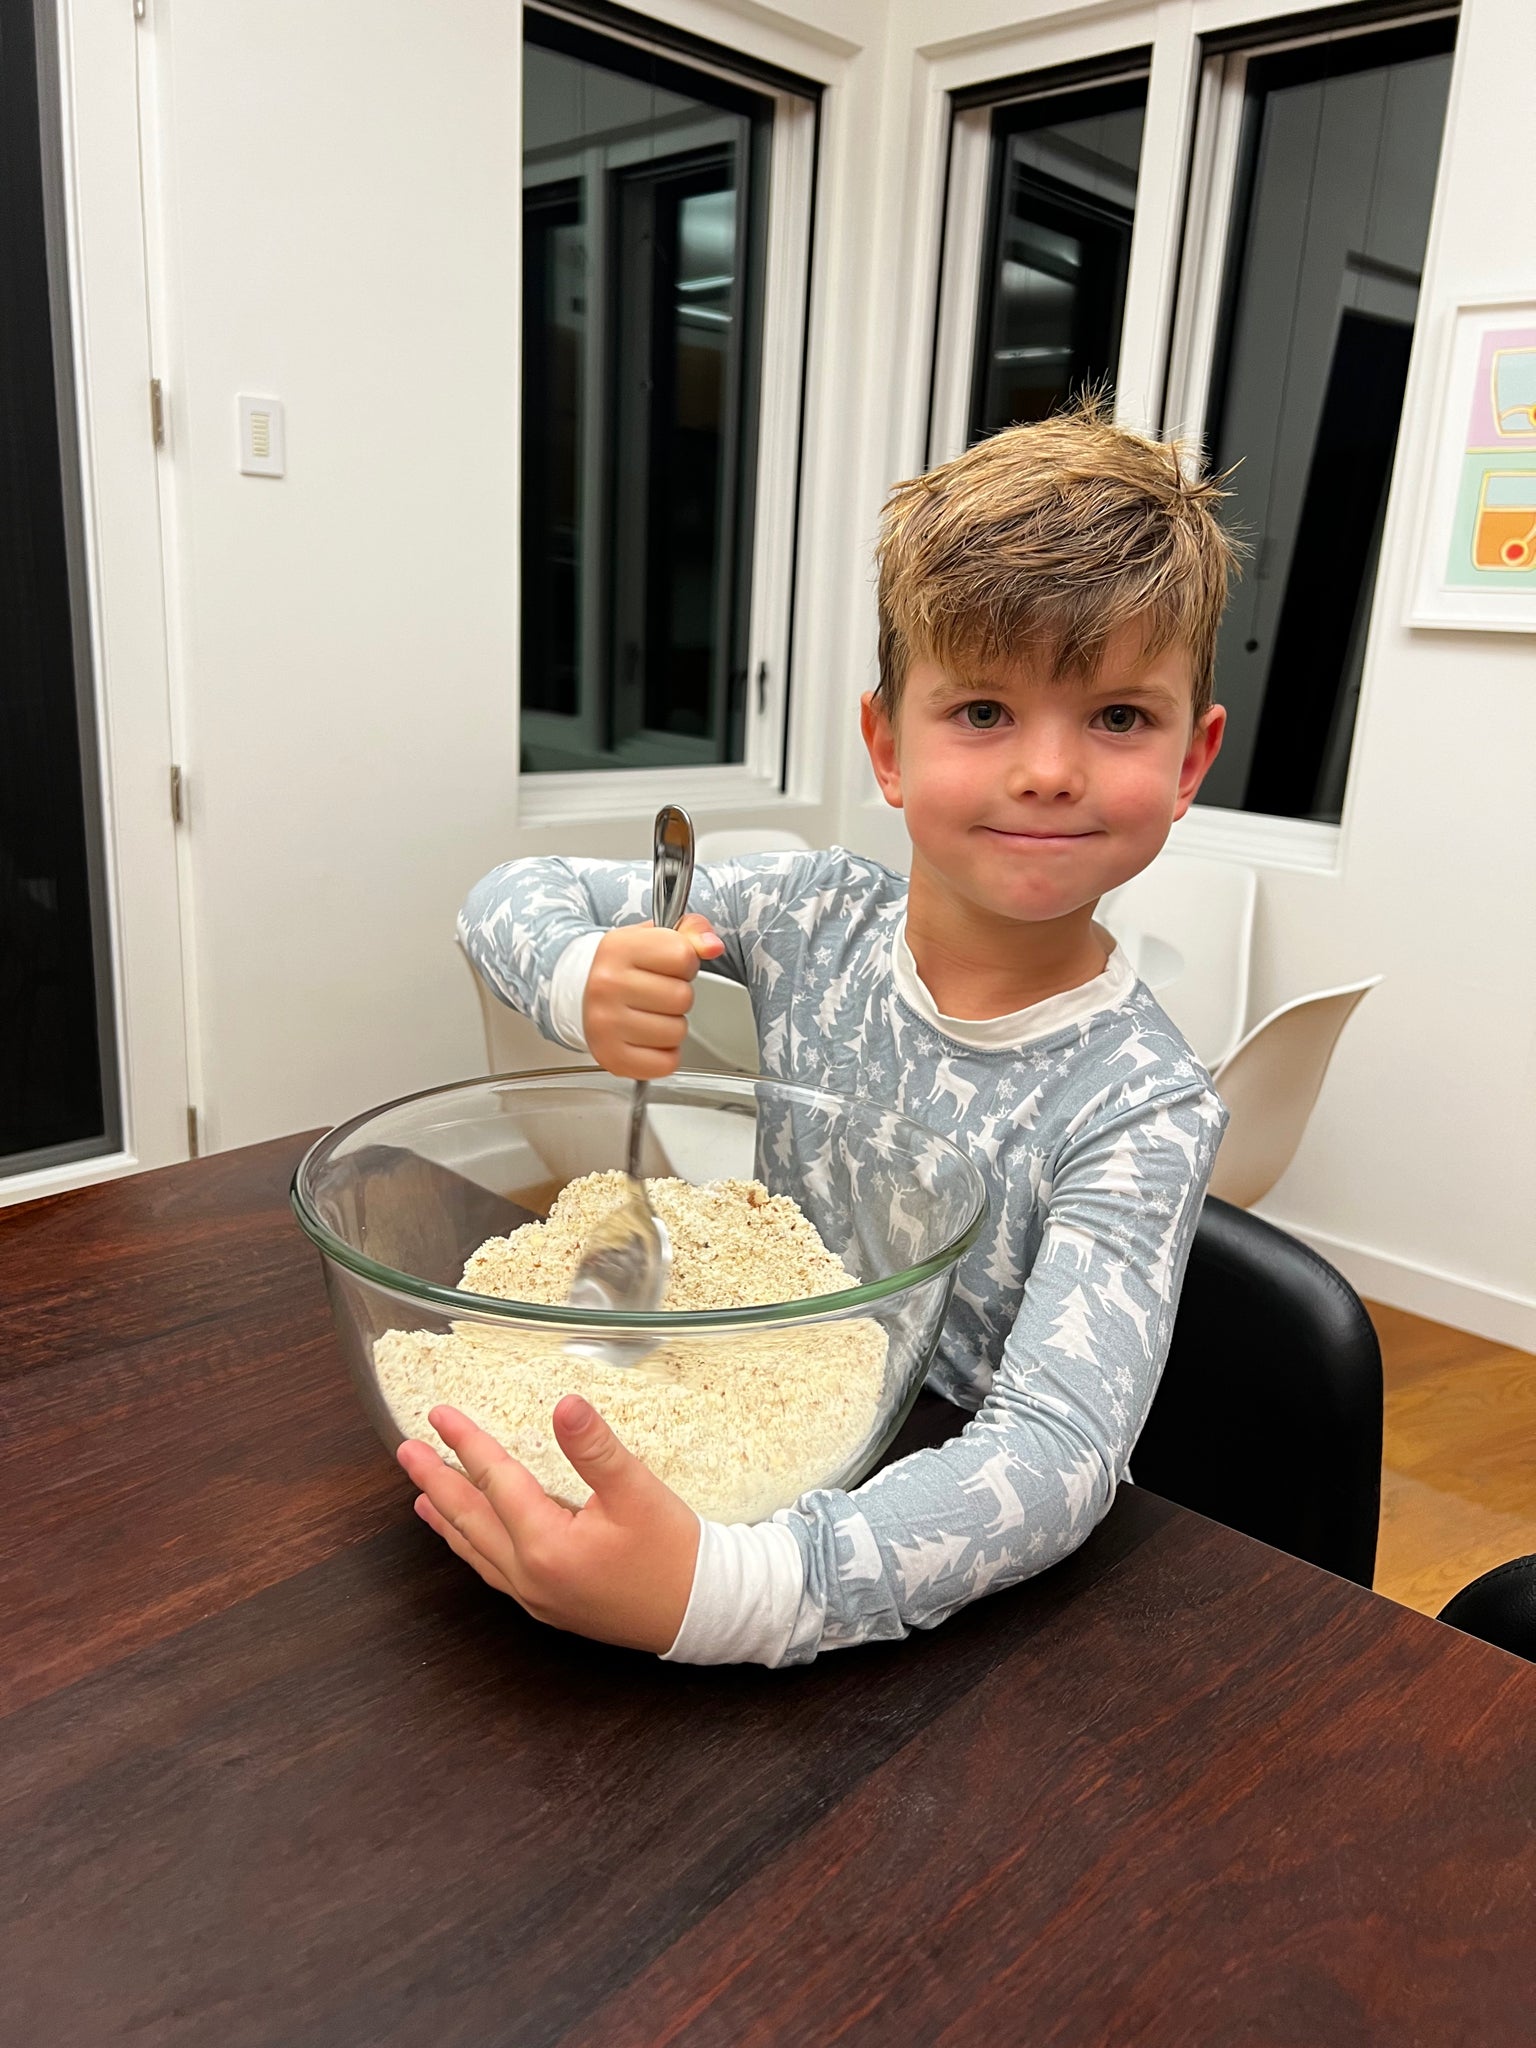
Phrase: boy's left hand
pixel 620 1569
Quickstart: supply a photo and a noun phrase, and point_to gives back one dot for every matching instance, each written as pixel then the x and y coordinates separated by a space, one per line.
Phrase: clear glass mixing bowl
pixel 753 1405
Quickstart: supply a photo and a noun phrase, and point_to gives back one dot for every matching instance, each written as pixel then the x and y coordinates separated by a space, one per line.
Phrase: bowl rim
pixel 410 1288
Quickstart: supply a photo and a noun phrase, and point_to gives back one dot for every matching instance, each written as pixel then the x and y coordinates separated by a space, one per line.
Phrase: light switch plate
pixel 262 446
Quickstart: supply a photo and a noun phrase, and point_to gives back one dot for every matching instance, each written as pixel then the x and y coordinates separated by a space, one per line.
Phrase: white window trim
pixel 549 798
pixel 1218 117
pixel 1252 836
pixel 965 218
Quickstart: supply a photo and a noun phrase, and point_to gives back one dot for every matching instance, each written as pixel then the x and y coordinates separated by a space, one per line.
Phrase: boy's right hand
pixel 635 1010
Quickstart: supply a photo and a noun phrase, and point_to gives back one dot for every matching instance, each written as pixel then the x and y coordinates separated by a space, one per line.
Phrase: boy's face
pixel 1027 797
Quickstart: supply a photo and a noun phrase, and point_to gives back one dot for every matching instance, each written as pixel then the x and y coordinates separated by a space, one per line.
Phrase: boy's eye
pixel 1120 717
pixel 983 716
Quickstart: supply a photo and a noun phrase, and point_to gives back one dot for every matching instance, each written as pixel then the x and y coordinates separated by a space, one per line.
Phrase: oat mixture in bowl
pixel 735 1431
pixel 815 1241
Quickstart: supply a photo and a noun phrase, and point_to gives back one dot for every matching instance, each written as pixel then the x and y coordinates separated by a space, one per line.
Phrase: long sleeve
pixel 518 921
pixel 1037 1467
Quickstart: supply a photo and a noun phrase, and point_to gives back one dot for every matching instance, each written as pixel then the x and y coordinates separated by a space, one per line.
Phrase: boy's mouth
pixel 1025 837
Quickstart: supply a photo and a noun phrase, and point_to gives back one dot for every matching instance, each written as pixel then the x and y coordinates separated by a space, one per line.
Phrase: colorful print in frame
pixel 1478 563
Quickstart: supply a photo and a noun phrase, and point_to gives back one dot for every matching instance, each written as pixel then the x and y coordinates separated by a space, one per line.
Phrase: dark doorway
pixel 58 1097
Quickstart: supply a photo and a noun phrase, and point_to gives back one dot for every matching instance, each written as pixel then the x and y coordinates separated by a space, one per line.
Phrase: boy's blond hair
pixel 1050 538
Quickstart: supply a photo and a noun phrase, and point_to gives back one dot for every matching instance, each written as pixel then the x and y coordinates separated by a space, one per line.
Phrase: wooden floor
pixel 1458 1483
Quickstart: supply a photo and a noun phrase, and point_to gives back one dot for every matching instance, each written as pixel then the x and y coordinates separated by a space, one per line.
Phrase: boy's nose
pixel 1046 770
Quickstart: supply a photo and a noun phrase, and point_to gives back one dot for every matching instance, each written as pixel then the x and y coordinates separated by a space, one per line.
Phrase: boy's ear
pixel 1204 746
pixel 880 742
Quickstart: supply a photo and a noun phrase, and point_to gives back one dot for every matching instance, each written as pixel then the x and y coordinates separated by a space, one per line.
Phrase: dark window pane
pixel 644 191
pixel 554 367
pixel 57 1080
pixel 1340 148
pixel 1059 245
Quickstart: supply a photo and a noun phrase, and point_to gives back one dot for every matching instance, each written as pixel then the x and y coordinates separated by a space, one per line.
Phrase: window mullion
pixel 965 217
pixel 1213 177
pixel 774 512
pixel 1175 83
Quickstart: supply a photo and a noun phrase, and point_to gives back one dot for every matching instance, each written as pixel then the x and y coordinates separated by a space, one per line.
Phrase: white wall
pixel 337 186
pixel 334 207
pixel 332 199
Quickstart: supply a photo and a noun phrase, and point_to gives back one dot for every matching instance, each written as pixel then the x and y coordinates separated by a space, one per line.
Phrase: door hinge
pixel 178 795
pixel 157 411
pixel 140 9
pixel 762 688
pixel 194 1146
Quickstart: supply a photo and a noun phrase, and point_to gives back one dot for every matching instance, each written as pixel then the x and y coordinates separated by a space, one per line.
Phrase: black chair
pixel 1500 1607
pixel 1268 1416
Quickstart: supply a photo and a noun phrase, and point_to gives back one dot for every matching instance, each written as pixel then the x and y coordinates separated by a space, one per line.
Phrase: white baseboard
pixel 1421 1290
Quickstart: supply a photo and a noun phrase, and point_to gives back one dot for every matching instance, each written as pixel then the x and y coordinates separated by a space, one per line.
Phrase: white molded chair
pixel 696 1143
pixel 514 1044
pixel 1270 1082
pixel 1187 925
pixel 726 845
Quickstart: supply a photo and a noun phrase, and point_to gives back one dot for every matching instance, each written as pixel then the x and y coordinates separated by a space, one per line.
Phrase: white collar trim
pixel 1106 991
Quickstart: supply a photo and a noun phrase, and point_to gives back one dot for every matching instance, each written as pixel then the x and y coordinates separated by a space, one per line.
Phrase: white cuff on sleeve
pixel 568 987
pixel 746 1595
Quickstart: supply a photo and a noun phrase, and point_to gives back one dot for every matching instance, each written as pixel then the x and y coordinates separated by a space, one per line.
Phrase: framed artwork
pixel 1477 556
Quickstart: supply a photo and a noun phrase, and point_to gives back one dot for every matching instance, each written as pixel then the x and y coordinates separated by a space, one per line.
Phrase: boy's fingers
pixel 459 1503
pixel 433 1474
pixel 461 1546
pixel 464 1436
pixel 653 951
pixel 508 1485
pixel 644 1062
pixel 652 1031
pixel 707 942
pixel 520 1503
pixel 593 1448
pixel 658 995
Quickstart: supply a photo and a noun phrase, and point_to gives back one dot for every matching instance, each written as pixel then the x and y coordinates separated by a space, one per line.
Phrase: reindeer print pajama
pixel 1094 1128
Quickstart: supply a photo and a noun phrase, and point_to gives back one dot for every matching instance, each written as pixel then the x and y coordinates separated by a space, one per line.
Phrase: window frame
pixel 554 796
pixel 1202 306
pixel 963 296
pixel 1177 147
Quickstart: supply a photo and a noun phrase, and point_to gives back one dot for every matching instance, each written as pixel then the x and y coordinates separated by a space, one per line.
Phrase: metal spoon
pixel 628 1256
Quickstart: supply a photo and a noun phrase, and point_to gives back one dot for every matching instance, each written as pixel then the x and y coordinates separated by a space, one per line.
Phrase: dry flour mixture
pixel 752 1418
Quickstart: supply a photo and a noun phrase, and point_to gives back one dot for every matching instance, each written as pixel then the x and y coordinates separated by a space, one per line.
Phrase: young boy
pixel 1048 614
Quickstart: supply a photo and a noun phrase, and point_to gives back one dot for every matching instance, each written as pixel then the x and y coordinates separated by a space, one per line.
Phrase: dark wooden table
pixel 275 1769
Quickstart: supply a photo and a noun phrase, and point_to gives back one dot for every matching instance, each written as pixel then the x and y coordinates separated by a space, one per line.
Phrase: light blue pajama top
pixel 1094 1128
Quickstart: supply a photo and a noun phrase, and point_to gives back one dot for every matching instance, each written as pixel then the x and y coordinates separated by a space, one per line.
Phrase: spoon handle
pixel 637 1127
pixel 671 879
